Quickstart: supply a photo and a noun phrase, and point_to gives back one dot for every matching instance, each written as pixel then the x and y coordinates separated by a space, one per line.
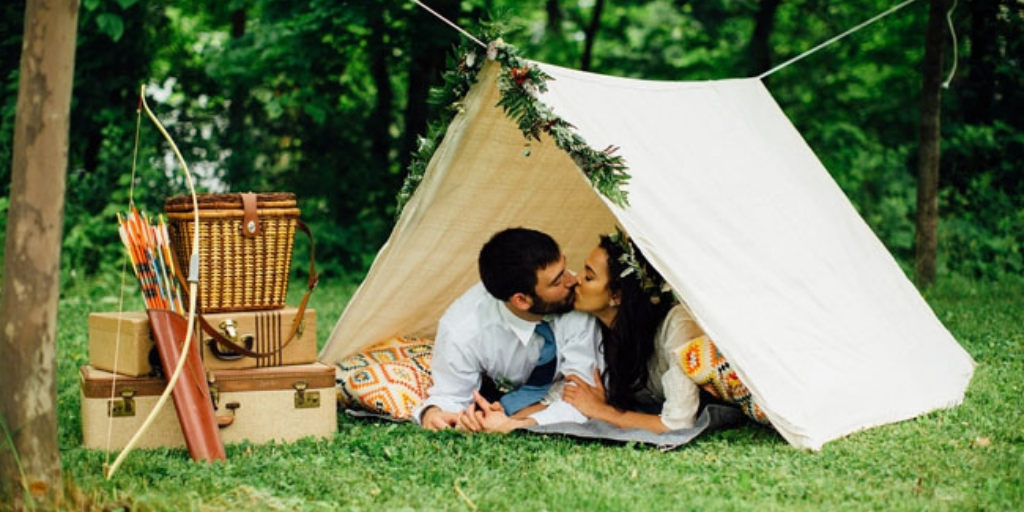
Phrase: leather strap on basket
pixel 251 227
pixel 314 278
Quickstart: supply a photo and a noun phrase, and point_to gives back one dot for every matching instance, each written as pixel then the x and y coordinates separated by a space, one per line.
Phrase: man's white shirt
pixel 478 334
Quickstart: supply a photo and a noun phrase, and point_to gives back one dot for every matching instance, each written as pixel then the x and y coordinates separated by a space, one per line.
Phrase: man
pixel 516 329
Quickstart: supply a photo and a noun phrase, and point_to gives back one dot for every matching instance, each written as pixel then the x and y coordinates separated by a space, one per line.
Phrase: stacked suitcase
pixel 278 392
pixel 280 398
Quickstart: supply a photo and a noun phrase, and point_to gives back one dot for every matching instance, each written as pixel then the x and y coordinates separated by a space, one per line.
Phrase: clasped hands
pixel 485 416
pixel 480 416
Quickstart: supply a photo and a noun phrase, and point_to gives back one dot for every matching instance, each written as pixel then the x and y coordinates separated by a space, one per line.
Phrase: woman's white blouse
pixel 667 380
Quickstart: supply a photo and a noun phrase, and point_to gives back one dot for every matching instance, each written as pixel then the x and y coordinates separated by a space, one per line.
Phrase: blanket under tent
pixel 711 417
pixel 726 200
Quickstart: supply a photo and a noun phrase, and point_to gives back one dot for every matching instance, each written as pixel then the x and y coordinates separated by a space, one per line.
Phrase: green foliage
pixel 663 40
pixel 875 178
pixel 11 20
pixel 312 93
pixel 983 232
pixel 445 101
pixel 968 457
pixel 326 100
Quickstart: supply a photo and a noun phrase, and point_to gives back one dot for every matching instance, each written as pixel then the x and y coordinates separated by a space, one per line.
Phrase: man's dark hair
pixel 509 261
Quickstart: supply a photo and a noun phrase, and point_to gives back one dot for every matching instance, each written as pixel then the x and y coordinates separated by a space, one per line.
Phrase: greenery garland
pixel 519 84
pixel 649 280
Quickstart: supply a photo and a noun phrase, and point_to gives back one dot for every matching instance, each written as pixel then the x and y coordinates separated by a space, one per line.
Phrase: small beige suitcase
pixel 135 352
pixel 258 331
pixel 282 404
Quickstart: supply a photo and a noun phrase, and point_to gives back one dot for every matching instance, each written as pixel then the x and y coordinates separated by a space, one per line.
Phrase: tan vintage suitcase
pixel 282 404
pixel 258 331
pixel 133 352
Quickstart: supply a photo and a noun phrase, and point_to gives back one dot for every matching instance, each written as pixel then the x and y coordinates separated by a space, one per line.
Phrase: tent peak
pixel 521 83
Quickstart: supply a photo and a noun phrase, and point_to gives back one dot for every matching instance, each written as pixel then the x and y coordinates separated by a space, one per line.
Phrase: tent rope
pixel 836 38
pixel 952 33
pixel 450 23
pixel 949 20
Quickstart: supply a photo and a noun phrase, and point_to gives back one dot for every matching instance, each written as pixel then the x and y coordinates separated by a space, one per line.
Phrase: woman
pixel 643 328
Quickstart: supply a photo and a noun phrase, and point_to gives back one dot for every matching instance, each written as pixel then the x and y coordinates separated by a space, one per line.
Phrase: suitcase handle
pixel 228 328
pixel 218 338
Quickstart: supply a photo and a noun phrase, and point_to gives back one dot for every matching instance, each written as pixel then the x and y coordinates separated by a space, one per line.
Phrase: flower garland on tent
pixel 520 84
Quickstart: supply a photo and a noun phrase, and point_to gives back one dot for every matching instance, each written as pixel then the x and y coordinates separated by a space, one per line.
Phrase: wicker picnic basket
pixel 245 247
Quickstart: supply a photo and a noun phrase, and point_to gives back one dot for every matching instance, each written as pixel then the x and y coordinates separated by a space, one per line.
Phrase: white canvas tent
pixel 727 201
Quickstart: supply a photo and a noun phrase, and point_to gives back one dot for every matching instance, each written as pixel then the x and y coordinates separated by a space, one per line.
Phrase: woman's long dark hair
pixel 629 342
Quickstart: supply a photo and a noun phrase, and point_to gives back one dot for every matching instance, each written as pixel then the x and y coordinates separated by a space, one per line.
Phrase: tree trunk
pixel 980 90
pixel 431 41
pixel 239 165
pixel 554 12
pixel 926 238
pixel 380 71
pixel 590 35
pixel 31 280
pixel 759 52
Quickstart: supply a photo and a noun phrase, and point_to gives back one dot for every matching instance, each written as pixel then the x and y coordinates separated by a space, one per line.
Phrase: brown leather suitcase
pixel 258 405
pixel 263 332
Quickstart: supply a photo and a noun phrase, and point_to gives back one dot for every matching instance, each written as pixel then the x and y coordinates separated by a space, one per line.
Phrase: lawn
pixel 971 457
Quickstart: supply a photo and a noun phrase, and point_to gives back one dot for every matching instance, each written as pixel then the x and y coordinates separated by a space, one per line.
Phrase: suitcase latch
pixel 122 407
pixel 211 381
pixel 305 399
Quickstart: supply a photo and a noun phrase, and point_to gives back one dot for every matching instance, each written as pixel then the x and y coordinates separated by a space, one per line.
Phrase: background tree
pixel 590 35
pixel 926 239
pixel 760 50
pixel 30 463
pixel 326 99
pixel 981 190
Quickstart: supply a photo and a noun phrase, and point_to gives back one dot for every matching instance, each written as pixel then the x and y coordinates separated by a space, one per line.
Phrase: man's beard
pixel 542 307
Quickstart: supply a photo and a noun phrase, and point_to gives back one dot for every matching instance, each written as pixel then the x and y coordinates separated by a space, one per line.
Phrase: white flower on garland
pixel 492 49
pixel 530 88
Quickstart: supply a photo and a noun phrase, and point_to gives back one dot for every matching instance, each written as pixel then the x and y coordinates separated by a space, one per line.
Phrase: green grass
pixel 968 458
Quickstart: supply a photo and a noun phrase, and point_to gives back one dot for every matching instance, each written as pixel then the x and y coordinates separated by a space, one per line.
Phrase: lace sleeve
pixel 682 396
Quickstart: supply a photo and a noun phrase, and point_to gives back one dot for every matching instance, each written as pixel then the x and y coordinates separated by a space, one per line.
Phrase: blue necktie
pixel 536 386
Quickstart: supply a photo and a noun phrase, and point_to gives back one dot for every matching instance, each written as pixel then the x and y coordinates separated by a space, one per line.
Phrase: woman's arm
pixel 681 394
pixel 591 401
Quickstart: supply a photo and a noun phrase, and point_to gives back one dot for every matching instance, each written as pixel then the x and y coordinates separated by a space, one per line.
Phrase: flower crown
pixel 651 283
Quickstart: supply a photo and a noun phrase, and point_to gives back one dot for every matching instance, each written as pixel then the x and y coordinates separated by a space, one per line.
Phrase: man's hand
pixel 589 400
pixel 436 419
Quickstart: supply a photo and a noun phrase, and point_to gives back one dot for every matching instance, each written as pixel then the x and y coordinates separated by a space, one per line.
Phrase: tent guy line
pixel 450 23
pixel 836 38
pixel 808 53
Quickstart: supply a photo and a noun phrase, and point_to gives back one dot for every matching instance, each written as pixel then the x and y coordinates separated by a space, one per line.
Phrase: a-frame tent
pixel 727 200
